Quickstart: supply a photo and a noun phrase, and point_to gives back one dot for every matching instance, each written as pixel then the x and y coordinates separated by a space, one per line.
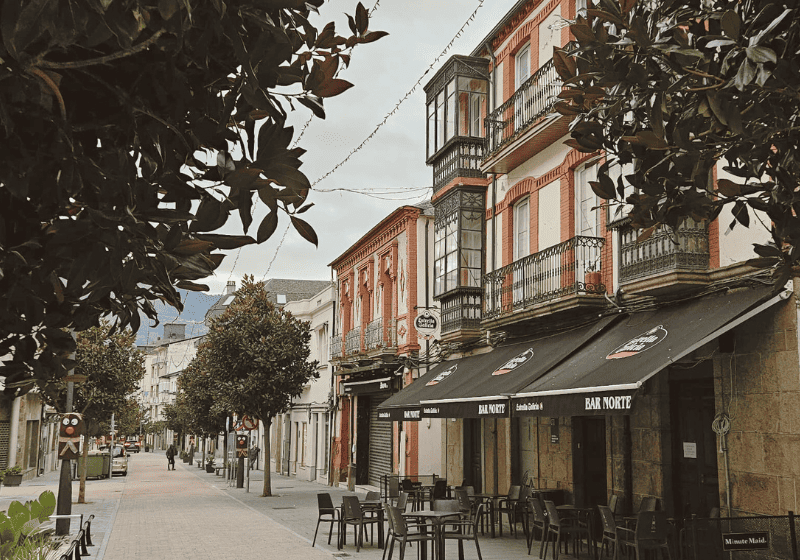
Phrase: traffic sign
pixel 249 423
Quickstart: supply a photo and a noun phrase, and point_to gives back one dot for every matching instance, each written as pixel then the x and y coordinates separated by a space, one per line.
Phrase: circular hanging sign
pixel 426 325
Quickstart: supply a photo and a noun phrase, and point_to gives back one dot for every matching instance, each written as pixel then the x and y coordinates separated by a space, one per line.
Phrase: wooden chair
pixel 538 521
pixel 399 530
pixel 650 534
pixel 563 531
pixel 610 532
pixel 461 529
pixel 328 513
pixel 354 515
pixel 508 505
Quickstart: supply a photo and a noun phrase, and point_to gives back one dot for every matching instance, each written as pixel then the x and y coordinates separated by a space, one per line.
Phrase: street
pixel 190 514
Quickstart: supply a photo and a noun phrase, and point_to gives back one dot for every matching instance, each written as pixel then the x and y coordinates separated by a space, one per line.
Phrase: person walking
pixel 171 452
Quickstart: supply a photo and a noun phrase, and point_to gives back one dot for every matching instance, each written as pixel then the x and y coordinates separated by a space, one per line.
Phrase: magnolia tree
pixel 131 133
pixel 257 354
pixel 113 368
pixel 670 89
pixel 197 395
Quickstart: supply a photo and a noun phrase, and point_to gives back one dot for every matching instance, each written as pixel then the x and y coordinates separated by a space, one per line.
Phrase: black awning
pixel 603 377
pixel 480 386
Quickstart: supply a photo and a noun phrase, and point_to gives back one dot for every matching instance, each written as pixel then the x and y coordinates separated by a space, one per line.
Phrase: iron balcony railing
pixel 462 158
pixel 336 346
pixel 378 335
pixel 352 342
pixel 532 100
pixel 544 276
pixel 684 249
pixel 461 310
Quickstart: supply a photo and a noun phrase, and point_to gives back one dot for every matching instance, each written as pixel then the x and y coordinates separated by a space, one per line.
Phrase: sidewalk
pixel 188 513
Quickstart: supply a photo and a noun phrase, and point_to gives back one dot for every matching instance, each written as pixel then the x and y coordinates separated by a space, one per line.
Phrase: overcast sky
pixel 383 72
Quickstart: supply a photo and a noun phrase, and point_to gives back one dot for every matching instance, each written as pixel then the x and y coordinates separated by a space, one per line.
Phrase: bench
pixel 219 464
pixel 77 547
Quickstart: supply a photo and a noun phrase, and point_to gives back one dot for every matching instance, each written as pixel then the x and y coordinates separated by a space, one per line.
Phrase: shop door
pixel 696 482
pixel 473 473
pixel 362 440
pixel 589 460
pixel 380 445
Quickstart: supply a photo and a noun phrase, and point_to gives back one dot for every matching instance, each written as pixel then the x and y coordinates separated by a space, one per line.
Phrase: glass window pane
pixel 471 221
pixel 471 258
pixel 440 120
pixel 431 131
pixel 438 249
pixel 470 240
pixel 451 243
pixel 451 265
pixel 451 116
pixel 472 84
pixel 452 280
pixel 437 286
pixel 470 277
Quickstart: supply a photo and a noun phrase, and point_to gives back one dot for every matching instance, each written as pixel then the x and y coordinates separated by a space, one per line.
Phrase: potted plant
pixel 184 457
pixel 210 463
pixel 12 476
pixel 592 277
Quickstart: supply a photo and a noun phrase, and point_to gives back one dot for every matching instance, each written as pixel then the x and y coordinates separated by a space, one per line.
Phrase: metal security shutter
pixel 380 445
pixel 5 437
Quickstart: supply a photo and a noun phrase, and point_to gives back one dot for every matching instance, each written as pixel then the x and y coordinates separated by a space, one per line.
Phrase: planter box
pixel 12 480
pixel 210 468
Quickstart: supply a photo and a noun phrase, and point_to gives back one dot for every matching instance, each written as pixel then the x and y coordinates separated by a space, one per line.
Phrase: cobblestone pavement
pixel 191 514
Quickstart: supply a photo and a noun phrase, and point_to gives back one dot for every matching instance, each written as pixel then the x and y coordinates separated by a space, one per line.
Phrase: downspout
pixel 427 291
pixel 493 101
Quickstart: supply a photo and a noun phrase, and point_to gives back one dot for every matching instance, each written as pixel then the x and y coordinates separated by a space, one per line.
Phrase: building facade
pixel 383 284
pixel 584 357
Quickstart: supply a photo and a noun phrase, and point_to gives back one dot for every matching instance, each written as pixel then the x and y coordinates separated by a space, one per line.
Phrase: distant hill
pixel 195 306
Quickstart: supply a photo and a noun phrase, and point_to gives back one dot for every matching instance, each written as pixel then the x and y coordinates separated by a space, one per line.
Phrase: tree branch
pixel 103 59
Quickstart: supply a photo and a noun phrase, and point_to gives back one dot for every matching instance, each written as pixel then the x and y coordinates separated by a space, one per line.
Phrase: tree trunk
pixel 84 470
pixel 267 455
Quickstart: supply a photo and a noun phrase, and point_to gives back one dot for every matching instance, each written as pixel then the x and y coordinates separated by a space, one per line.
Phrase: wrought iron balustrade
pixel 461 311
pixel 544 276
pixel 336 346
pixel 380 335
pixel 352 342
pixel 461 159
pixel 664 251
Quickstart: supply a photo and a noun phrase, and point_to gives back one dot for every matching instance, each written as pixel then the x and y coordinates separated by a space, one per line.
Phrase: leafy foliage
pixel 130 133
pixel 23 521
pixel 257 355
pixel 197 395
pixel 672 88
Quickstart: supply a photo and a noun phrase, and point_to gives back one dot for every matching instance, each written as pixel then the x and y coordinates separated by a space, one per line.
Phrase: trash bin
pixel 97 464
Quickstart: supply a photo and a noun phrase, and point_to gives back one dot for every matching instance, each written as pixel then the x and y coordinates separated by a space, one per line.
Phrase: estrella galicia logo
pixel 639 344
pixel 514 362
pixel 442 376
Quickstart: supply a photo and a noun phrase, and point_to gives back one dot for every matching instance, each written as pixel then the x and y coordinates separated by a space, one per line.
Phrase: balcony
pixel 461 313
pixel 461 158
pixel 352 342
pixel 524 125
pixel 544 277
pixel 665 261
pixel 336 346
pixel 378 336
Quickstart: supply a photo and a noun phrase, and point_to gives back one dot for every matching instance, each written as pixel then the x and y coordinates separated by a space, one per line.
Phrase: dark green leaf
pixel 761 54
pixel 305 230
pixel 373 36
pixel 767 251
pixel 731 24
pixel 754 41
pixel 332 88
pixel 314 103
pixel 745 75
pixel 362 18
pixel 741 214
pixel 267 227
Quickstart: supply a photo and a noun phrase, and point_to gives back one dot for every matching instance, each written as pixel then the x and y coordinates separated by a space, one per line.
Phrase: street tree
pixel 668 90
pixel 197 394
pixel 257 354
pixel 178 420
pixel 131 133
pixel 112 366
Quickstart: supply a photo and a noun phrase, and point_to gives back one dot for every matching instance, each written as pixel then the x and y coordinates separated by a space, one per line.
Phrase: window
pixel 615 173
pixel 326 444
pixel 303 442
pixel 522 71
pixel 522 220
pixel 281 298
pixel 587 216
pixel 458 242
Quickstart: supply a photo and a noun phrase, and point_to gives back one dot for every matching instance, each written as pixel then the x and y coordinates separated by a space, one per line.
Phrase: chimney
pixel 230 287
pixel 174 331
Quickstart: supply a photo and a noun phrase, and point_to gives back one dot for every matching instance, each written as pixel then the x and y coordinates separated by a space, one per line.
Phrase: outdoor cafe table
pixel 568 511
pixel 375 506
pixel 489 499
pixel 437 519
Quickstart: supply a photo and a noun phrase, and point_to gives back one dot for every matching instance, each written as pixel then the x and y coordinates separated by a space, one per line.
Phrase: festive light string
pixel 406 96
pixel 277 250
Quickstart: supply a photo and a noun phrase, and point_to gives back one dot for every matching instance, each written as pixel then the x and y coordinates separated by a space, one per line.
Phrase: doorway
pixel 589 460
pixel 473 472
pixel 695 475
pixel 362 440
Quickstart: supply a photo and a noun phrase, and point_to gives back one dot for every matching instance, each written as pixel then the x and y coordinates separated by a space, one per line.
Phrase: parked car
pixel 119 461
pixel 132 446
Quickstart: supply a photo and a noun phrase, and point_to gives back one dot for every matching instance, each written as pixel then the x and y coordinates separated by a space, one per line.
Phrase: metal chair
pixel 572 529
pixel 460 529
pixel 399 531
pixel 402 501
pixel 439 491
pixel 650 534
pixel 538 521
pixel 610 531
pixel 354 515
pixel 328 513
pixel 508 505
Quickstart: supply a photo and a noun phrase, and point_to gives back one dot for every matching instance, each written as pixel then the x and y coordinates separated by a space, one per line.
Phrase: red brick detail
pixel 340 459
pixel 523 32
